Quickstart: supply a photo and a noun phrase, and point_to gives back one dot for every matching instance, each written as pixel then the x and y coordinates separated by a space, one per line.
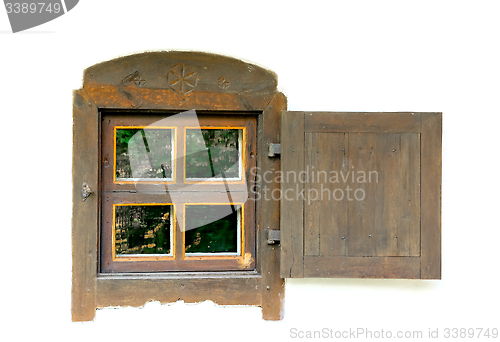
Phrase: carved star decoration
pixel 182 79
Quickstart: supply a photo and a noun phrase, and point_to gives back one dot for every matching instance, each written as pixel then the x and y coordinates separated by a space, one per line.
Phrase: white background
pixel 331 56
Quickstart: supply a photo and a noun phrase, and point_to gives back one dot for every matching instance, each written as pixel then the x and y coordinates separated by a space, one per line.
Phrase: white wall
pixel 331 56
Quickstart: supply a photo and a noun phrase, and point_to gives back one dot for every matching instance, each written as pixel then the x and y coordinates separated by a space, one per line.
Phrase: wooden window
pixel 174 194
pixel 122 190
pixel 180 190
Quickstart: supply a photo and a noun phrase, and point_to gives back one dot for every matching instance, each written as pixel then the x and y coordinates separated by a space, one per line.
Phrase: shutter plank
pixel 325 218
pixel 312 210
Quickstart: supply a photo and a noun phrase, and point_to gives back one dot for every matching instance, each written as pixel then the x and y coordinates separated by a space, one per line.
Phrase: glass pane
pixel 144 153
pixel 213 153
pixel 143 229
pixel 212 229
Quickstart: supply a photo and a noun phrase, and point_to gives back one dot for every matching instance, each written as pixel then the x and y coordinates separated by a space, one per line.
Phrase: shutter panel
pixel 361 195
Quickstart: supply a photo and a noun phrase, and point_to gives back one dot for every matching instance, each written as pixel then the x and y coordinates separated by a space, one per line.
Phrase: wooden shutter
pixel 387 224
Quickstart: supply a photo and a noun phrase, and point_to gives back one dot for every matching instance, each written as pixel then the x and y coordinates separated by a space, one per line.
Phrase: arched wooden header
pixel 190 80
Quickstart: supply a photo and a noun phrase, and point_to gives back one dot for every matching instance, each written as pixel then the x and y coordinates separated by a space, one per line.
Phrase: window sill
pixel 181 275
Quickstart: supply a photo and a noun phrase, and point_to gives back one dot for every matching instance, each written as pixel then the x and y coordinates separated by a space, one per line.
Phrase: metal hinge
pixel 273 237
pixel 274 150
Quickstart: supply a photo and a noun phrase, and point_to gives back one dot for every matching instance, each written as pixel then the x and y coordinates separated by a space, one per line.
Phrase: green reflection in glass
pixel 142 229
pixel 213 153
pixel 144 153
pixel 212 229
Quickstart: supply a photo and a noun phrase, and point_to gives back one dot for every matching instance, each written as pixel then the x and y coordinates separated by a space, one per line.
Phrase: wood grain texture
pixel 273 286
pixel 362 122
pixel 385 170
pixel 355 191
pixel 137 291
pixel 393 231
pixel 180 80
pixel 431 195
pixel 292 206
pixel 362 267
pixel 112 97
pixel 325 219
pixel 85 214
pixel 312 219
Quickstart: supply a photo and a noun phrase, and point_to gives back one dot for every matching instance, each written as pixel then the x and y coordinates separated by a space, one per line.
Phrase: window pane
pixel 212 229
pixel 213 153
pixel 144 153
pixel 143 229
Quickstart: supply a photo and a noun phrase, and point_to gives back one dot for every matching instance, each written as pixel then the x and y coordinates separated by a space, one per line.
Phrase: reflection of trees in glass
pixel 151 150
pixel 142 229
pixel 213 153
pixel 211 229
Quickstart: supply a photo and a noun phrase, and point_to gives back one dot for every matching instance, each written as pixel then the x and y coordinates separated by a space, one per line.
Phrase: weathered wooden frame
pixel 150 81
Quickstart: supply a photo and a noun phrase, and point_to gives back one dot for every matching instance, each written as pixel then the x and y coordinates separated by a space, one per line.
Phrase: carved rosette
pixel 182 79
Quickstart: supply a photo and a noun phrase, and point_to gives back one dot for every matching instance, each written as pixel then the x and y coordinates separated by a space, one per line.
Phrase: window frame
pixel 171 180
pixel 122 193
pixel 241 162
pixel 145 257
pixel 223 84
